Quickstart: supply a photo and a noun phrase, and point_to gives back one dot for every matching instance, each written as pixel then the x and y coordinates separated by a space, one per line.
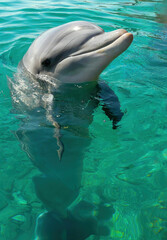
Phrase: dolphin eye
pixel 46 62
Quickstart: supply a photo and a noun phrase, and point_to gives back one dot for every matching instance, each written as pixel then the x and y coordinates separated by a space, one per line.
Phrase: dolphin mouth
pixel 103 41
pixel 94 55
pixel 105 45
pixel 100 41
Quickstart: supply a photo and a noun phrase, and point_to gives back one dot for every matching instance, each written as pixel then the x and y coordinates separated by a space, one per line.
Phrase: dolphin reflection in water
pixel 57 88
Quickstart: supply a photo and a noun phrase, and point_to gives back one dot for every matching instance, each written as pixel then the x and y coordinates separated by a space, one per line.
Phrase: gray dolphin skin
pixel 57 89
pixel 75 52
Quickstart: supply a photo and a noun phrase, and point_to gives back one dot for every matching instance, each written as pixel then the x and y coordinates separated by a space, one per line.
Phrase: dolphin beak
pixel 118 46
pixel 112 43
pixel 95 55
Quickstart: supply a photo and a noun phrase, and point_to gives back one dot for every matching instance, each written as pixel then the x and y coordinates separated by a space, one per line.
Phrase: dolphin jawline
pixel 104 47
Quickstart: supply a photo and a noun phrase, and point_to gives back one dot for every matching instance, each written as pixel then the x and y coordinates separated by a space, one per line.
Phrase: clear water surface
pixel 126 167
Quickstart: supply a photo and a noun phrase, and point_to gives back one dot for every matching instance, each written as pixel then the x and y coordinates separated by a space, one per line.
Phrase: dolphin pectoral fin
pixel 114 116
pixel 110 104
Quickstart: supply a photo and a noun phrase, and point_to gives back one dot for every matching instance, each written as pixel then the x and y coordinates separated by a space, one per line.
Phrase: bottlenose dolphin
pixel 57 88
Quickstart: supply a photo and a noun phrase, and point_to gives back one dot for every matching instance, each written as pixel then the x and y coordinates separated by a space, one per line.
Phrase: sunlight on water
pixel 125 170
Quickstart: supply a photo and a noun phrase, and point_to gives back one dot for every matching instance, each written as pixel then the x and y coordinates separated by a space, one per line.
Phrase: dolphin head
pixel 75 52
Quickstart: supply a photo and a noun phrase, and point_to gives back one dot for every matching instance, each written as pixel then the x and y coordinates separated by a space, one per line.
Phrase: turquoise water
pixel 126 168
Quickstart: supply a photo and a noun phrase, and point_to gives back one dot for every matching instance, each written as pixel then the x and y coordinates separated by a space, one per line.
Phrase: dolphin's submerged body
pixel 57 88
